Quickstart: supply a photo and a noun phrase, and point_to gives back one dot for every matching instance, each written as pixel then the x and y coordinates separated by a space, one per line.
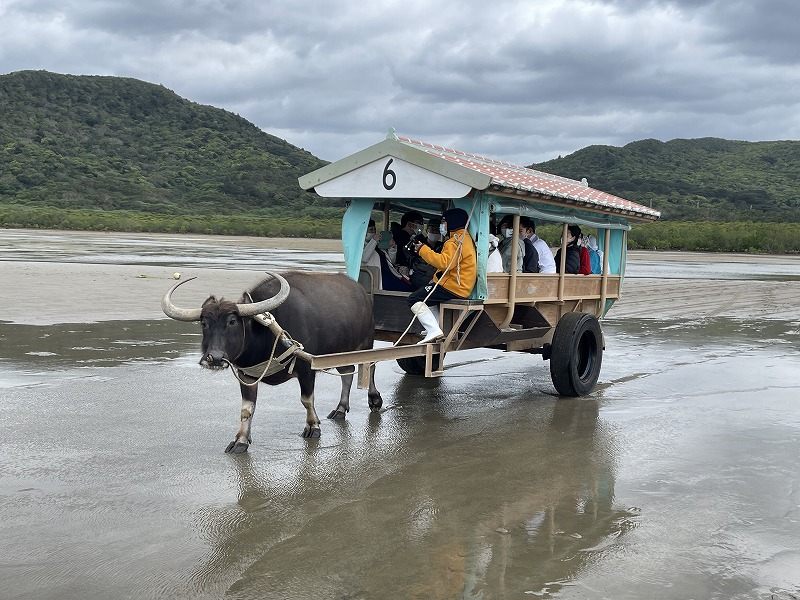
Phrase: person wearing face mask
pixel 595 255
pixel 421 271
pixel 494 263
pixel 372 256
pixel 410 225
pixel 506 229
pixel 530 263
pixel 573 257
pixel 456 271
pixel 547 263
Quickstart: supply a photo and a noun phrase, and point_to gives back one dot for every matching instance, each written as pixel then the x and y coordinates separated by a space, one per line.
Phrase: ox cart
pixel 273 332
pixel 554 315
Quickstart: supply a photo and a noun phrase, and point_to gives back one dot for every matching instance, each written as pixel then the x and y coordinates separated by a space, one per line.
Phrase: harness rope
pixel 274 364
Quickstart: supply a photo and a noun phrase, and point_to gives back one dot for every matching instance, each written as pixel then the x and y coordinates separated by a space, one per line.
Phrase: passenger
pixel 411 225
pixel 494 263
pixel 456 272
pixel 547 263
pixel 391 278
pixel 506 242
pixel 530 264
pixel 595 255
pixel 369 256
pixel 421 271
pixel 573 262
pixel 586 261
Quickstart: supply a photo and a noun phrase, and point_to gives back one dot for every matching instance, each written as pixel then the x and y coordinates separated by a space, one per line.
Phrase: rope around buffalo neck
pixel 272 365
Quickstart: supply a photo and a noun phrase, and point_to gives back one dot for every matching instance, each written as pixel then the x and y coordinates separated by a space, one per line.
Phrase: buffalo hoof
pixel 312 432
pixel 236 448
pixel 337 414
pixel 375 403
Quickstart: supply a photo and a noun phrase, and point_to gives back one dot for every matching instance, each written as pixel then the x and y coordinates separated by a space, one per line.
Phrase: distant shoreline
pixel 42 293
pixel 335 245
pixel 756 238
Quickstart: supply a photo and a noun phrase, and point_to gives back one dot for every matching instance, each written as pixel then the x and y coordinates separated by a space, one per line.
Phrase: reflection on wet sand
pixel 424 529
pixel 480 484
pixel 104 344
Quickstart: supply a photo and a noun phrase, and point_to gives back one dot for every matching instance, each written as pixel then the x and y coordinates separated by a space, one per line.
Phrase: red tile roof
pixel 516 179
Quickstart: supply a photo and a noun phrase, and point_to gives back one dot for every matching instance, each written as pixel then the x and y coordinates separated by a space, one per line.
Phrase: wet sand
pixel 40 293
pixel 676 478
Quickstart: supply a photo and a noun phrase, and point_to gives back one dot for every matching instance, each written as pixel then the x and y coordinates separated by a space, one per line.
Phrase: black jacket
pixel 530 264
pixel 401 238
pixel 573 264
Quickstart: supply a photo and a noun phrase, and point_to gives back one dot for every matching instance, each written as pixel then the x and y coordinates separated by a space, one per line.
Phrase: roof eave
pixel 577 202
pixel 396 149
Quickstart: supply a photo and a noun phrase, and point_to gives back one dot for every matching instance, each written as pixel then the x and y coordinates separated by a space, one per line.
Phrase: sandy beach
pixel 69 292
pixel 679 471
pixel 44 293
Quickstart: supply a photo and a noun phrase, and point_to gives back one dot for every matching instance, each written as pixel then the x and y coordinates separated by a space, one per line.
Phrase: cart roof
pixel 424 170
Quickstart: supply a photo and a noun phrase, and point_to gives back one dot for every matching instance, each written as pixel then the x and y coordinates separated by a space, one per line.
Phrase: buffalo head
pixel 223 328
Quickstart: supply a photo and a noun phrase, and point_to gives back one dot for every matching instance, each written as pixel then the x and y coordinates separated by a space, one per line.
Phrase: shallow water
pixel 677 478
pixel 184 251
pixel 187 251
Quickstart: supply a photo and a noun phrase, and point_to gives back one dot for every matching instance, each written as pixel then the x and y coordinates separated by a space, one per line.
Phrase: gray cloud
pixel 514 80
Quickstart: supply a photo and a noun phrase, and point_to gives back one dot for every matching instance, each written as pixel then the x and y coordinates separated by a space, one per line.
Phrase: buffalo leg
pixel 344 398
pixel 375 399
pixel 306 380
pixel 243 440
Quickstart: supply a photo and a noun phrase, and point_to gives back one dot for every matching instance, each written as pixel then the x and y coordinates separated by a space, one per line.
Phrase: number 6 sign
pixel 391 177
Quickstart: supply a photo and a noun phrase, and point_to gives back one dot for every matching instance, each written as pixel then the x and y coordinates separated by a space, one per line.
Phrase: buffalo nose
pixel 213 358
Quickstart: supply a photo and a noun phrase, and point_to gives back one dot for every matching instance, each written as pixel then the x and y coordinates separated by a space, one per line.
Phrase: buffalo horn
pixel 174 312
pixel 256 308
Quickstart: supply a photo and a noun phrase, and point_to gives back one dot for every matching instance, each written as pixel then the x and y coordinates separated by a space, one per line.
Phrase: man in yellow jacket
pixel 456 272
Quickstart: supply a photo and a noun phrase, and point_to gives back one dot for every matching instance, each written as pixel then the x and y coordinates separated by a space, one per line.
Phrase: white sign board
pixel 391 177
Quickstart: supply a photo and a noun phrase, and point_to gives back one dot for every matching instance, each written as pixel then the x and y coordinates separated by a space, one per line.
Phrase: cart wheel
pixel 576 354
pixel 415 365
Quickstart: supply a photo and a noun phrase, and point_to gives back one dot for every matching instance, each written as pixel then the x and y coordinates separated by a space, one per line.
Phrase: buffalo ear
pixel 210 300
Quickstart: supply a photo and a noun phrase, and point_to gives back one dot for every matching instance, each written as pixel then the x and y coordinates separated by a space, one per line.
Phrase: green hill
pixel 112 143
pixel 91 152
pixel 706 179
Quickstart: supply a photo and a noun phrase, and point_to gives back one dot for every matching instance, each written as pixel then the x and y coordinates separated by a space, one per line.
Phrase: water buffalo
pixel 325 312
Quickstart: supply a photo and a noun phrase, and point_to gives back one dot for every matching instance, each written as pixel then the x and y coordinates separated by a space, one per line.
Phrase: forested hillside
pixel 706 179
pixel 111 143
pixel 91 152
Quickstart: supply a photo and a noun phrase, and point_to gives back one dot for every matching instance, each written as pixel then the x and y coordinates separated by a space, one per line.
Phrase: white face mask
pixel 443 229
pixel 433 237
pixel 368 237
pixel 417 229
pixel 508 232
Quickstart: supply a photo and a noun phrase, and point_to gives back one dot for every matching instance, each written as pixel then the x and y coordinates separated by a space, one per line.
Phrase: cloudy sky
pixel 516 80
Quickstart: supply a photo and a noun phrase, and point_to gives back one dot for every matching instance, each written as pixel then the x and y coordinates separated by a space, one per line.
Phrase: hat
pixel 592 243
pixel 456 218
pixel 434 222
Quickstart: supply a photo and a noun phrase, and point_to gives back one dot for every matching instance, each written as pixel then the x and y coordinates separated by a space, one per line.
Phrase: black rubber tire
pixel 576 354
pixel 415 365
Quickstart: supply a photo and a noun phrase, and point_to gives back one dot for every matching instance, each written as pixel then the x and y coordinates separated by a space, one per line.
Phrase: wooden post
pixel 512 282
pixel 563 263
pixel 604 285
pixel 385 215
